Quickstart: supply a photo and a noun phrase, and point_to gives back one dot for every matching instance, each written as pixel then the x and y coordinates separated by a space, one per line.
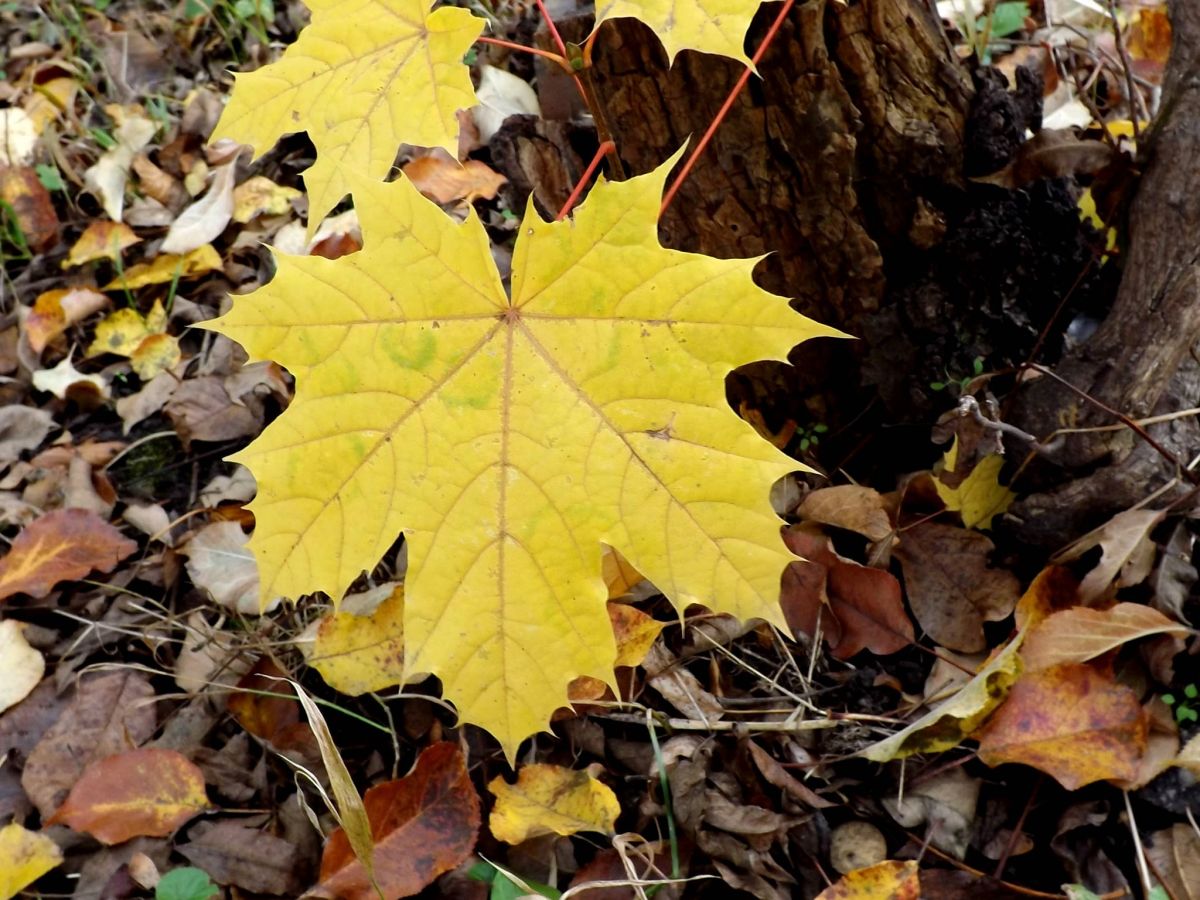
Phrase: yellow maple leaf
pixel 710 26
pixel 551 799
pixel 980 497
pixel 509 439
pixel 364 77
pixel 25 856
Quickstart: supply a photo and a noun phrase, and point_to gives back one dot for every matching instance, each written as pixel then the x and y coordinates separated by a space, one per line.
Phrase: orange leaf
pixel 60 546
pixel 888 880
pixel 266 717
pixel 1054 589
pixel 1073 722
pixel 857 607
pixel 443 180
pixel 423 825
pixel 147 792
pixel 55 311
pixel 635 633
pixel 101 240
pixel 1079 634
pixel 31 203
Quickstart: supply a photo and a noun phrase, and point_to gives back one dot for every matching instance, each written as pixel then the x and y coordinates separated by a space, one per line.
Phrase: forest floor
pixel 1003 721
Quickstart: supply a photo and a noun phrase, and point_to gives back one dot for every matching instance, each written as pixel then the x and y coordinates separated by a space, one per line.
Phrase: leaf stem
pixel 552 28
pixel 601 151
pixel 725 107
pixel 513 45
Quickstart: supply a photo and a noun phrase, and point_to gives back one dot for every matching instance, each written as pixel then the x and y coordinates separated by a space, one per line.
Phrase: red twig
pixel 603 149
pixel 725 107
pixel 511 45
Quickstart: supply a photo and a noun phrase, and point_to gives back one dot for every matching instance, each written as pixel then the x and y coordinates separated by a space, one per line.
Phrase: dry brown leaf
pixel 951 589
pixel 850 506
pixel 1080 634
pixel 443 180
pixel 1127 552
pixel 236 855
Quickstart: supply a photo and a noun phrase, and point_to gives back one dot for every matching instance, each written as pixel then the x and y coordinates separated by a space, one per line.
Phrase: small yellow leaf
pixel 122 332
pixel 358 650
pixel 101 240
pixel 551 799
pixel 156 353
pixel 888 880
pixel 259 196
pixel 25 856
pixel 635 631
pixel 1189 756
pixel 951 722
pixel 618 574
pixel 364 77
pixel 710 26
pixel 167 268
pixel 980 497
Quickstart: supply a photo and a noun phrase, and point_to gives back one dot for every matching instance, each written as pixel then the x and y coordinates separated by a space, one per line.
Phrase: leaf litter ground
pixel 140 665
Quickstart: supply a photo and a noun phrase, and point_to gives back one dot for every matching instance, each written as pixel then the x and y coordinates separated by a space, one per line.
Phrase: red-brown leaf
pixel 858 607
pixel 147 792
pixel 423 825
pixel 60 546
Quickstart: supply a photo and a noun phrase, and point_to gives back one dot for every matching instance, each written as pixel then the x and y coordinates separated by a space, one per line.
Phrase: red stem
pixel 601 151
pixel 553 29
pixel 511 45
pixel 725 107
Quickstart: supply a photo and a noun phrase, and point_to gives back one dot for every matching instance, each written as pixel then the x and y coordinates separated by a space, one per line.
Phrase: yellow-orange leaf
pixel 511 438
pixel 1073 722
pixel 364 77
pixel 1079 634
pixel 711 26
pixel 980 496
pixel 888 880
pixel 551 799
pixel 55 311
pixel 166 268
pixel 25 856
pixel 141 792
pixel 60 546
pixel 361 648
pixel 101 240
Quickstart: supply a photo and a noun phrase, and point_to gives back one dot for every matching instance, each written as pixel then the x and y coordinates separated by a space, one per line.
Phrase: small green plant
pixel 252 15
pixel 1184 711
pixel 187 883
pixel 50 177
pixel 960 383
pixel 810 436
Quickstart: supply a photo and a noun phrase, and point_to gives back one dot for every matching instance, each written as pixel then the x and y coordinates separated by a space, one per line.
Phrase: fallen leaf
pixel 888 880
pixel 444 180
pixel 954 720
pixel 205 219
pixel 1053 590
pixel 1080 634
pixel 945 804
pixel 501 94
pixel 618 574
pixel 260 196
pixel 62 545
pixel 1053 153
pixel 166 268
pixel 710 26
pixel 361 54
pixel 203 409
pixel 504 377
pixel 360 648
pixel 18 137
pixel 1150 39
pixel 102 239
pixel 22 428
pixel 21 189
pixel 262 703
pixel 156 353
pixel 550 799
pixel 108 714
pixel 25 856
pixel 107 177
pixel 978 497
pixel 49 100
pixel 1127 553
pixel 850 506
pixel 855 607
pixel 1189 756
pixel 951 589
pixel 1174 854
pixel 635 632
pixel 247 858
pixel 55 311
pixel 423 825
pixel 22 665
pixel 149 792
pixel 218 561
pixel 122 332
pixel 65 379
pixel 1074 722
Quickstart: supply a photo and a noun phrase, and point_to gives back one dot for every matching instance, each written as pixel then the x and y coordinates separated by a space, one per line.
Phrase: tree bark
pixel 1141 361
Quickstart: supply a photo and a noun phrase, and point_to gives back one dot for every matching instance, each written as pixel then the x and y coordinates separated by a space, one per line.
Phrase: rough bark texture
pixel 1141 361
